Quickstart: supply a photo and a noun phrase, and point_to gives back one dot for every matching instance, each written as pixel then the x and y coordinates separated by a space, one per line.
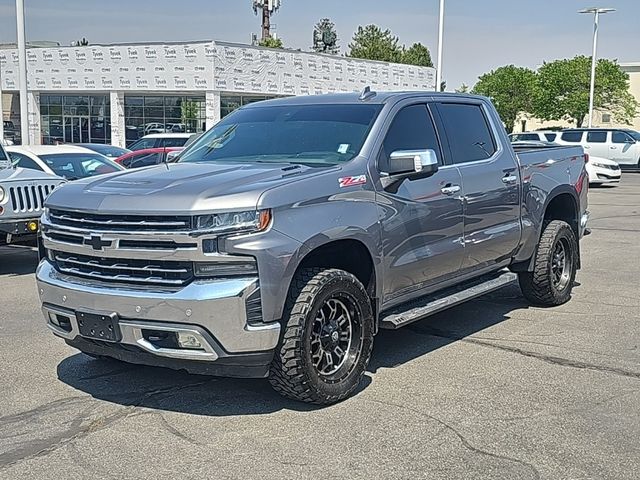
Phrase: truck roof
pixel 353 97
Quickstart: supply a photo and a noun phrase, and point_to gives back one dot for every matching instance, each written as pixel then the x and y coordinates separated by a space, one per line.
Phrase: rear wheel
pixel 551 281
pixel 327 337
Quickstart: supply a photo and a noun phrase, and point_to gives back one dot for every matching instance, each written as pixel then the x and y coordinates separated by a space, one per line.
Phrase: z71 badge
pixel 352 181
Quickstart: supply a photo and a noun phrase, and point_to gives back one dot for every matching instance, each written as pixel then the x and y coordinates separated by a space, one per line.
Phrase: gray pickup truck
pixel 22 195
pixel 287 235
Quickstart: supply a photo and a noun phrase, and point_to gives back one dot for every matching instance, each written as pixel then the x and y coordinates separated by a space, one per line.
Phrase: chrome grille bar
pixel 124 270
pixel 115 222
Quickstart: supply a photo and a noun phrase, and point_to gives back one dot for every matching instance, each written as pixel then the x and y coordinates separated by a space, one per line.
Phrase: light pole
pixel 440 34
pixel 22 76
pixel 596 15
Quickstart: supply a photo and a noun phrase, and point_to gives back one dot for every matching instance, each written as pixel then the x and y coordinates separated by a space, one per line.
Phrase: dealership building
pixel 117 93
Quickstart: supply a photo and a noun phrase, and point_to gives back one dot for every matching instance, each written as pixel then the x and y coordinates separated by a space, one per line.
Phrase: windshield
pixel 634 134
pixel 73 166
pixel 4 160
pixel 315 135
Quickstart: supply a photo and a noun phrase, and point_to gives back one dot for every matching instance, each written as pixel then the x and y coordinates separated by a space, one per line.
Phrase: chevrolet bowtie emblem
pixel 96 242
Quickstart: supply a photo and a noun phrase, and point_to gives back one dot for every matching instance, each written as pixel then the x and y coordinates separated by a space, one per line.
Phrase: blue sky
pixel 479 34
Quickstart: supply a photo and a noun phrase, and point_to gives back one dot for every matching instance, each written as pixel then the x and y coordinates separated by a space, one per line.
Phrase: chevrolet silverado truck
pixel 22 196
pixel 282 240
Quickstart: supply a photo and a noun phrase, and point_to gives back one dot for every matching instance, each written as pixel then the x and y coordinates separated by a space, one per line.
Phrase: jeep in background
pixel 293 230
pixel 22 196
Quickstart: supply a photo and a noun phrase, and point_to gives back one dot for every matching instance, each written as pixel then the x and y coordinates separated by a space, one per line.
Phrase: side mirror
pixel 413 162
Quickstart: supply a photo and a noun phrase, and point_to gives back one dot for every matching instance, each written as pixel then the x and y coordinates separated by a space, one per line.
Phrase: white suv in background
pixel 620 145
pixel 537 136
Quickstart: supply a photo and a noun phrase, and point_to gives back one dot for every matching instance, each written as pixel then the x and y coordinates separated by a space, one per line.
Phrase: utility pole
pixel 592 87
pixel 440 35
pixel 22 67
pixel 266 21
pixel 266 9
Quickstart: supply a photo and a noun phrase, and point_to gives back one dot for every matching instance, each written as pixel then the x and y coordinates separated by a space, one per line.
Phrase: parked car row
pixel 620 145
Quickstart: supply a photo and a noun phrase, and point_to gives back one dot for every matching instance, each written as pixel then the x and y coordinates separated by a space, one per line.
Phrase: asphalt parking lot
pixel 490 389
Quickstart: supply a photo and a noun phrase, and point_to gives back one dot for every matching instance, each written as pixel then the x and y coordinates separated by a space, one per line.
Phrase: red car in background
pixel 146 157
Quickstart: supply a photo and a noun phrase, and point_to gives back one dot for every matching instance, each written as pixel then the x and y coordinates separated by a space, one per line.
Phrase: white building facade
pixel 117 93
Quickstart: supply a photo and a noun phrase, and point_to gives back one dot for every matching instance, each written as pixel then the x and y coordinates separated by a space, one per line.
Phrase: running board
pixel 436 302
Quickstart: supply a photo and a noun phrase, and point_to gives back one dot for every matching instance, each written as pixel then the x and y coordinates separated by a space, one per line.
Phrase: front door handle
pixel 509 179
pixel 450 189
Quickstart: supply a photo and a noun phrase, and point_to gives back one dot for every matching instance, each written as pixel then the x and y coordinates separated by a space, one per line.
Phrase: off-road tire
pixel 292 372
pixel 538 286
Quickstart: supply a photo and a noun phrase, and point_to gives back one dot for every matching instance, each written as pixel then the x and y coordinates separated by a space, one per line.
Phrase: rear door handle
pixel 509 179
pixel 450 189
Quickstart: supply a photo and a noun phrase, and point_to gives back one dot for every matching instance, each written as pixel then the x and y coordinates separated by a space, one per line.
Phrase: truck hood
pixel 180 188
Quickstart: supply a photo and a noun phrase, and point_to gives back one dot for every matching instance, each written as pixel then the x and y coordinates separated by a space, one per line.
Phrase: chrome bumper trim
pixel 218 306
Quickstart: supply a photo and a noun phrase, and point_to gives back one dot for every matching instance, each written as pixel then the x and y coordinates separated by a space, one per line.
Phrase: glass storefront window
pixel 228 103
pixel 163 113
pixel 75 119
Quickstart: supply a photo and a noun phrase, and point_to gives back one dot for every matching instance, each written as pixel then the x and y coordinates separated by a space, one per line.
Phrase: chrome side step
pixel 431 304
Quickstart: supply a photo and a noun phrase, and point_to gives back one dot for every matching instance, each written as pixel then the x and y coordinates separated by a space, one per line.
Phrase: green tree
pixel 417 54
pixel 564 91
pixel 271 42
pixel 325 37
pixel 373 43
pixel 464 88
pixel 189 110
pixel 511 89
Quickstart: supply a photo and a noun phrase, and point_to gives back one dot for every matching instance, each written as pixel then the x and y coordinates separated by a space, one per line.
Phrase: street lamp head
pixel 597 10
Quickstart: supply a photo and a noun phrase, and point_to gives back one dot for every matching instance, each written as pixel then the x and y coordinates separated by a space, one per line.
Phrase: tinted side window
pixel 468 132
pixel 596 137
pixel 411 129
pixel 143 160
pixel 550 136
pixel 173 142
pixel 24 162
pixel 572 137
pixel 620 137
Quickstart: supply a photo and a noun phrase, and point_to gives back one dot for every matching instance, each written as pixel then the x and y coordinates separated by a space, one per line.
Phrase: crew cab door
pixel 624 149
pixel 421 218
pixel 490 180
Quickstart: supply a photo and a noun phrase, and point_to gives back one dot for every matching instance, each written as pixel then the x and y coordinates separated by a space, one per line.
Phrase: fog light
pixel 189 340
pixel 32 226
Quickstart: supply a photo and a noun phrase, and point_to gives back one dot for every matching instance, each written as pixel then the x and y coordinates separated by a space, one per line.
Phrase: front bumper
pixel 599 175
pixel 212 311
pixel 22 229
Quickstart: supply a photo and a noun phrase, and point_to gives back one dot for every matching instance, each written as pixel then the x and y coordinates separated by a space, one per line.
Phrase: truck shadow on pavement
pixel 18 260
pixel 169 390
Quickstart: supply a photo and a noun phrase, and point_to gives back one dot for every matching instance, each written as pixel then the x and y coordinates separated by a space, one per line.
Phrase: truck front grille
pixel 29 198
pixel 128 223
pixel 147 272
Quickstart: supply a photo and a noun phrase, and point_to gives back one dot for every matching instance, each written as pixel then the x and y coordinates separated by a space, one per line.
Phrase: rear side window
pixel 596 137
pixel 621 137
pixel 411 129
pixel 551 137
pixel 468 132
pixel 142 160
pixel 524 137
pixel 571 137
pixel 173 142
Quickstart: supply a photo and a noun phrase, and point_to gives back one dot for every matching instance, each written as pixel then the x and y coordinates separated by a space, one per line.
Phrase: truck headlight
pixel 3 195
pixel 253 221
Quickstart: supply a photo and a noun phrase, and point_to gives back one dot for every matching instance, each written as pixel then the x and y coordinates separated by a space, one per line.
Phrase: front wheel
pixel 556 262
pixel 327 337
